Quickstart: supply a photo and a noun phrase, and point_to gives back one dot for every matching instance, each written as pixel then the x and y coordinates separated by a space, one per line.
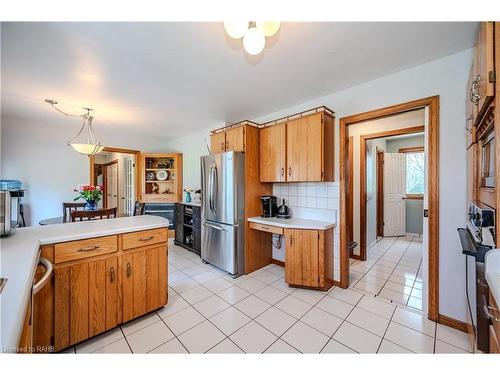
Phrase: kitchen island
pixel 105 272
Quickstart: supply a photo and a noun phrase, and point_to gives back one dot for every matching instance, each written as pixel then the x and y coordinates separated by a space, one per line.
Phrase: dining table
pixel 60 220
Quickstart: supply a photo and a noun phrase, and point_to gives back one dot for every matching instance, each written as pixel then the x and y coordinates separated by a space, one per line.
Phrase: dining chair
pixel 68 208
pixel 139 208
pixel 93 215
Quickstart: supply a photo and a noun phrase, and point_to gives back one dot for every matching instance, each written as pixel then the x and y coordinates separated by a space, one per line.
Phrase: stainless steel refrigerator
pixel 223 211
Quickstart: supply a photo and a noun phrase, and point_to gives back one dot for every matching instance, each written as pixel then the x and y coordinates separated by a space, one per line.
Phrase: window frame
pixel 412 150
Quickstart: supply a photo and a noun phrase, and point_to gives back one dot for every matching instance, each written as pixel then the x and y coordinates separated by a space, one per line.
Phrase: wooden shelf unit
pixel 151 163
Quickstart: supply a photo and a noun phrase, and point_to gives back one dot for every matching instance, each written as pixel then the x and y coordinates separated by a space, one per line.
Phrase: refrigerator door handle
pixel 210 188
pixel 214 227
pixel 215 189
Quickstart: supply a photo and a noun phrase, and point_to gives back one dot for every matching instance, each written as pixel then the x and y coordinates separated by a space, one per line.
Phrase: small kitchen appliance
pixel 5 207
pixel 269 206
pixel 283 211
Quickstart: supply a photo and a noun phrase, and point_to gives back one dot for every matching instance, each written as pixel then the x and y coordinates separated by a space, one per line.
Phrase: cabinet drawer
pixel 266 228
pixel 143 238
pixel 74 250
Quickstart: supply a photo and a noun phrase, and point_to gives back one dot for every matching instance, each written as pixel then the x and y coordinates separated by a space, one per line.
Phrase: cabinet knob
pixel 129 270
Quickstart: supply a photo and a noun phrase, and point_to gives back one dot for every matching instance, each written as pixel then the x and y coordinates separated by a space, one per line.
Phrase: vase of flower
pixel 188 195
pixel 90 194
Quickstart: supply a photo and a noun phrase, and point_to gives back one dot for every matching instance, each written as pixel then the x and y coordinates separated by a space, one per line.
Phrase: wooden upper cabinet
pixel 235 139
pixel 272 153
pixel 482 87
pixel 218 142
pixel 309 145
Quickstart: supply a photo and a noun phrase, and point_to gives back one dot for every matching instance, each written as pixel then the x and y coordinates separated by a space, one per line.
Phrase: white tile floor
pixel 209 312
pixel 393 271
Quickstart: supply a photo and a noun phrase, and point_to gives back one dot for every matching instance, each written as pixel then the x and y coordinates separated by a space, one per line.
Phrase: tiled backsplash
pixel 323 195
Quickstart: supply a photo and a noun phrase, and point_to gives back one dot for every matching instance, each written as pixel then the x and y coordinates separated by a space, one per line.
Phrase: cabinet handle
pixel 145 239
pixel 290 171
pixel 129 270
pixel 222 145
pixel 90 248
pixel 227 145
pixel 282 171
pixel 474 94
pixel 487 313
pixel 112 274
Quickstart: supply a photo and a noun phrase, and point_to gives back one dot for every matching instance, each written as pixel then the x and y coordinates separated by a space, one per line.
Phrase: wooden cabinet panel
pixel 235 139
pixel 309 258
pixel 74 250
pixel 139 274
pixel 143 238
pixel 78 303
pixel 273 153
pixel 97 297
pixel 163 275
pixel 218 142
pixel 152 287
pixel 305 149
pixel 266 228
pixel 126 263
pixel 61 308
pixel 113 300
pixel 485 65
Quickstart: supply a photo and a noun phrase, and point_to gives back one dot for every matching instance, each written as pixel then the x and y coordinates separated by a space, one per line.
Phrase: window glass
pixel 415 173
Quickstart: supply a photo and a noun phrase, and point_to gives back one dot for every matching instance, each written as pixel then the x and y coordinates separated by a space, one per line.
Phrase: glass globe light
pixel 254 41
pixel 236 29
pixel 268 28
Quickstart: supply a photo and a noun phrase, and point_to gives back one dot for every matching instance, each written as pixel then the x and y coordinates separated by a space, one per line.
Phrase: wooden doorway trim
pixel 362 178
pixel 433 194
pixel 137 171
pixel 380 192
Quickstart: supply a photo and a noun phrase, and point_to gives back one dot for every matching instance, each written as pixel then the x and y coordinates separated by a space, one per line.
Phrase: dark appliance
pixel 188 226
pixel 165 210
pixel 283 211
pixel 488 160
pixel 269 206
pixel 477 239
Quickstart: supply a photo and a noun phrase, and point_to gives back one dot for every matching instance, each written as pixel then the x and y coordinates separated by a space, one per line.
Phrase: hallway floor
pixel 393 270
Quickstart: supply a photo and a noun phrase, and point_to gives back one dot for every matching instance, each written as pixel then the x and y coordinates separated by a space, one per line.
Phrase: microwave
pixel 488 160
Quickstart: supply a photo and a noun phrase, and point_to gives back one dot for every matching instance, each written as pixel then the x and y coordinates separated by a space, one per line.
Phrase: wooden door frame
pixel 433 192
pixel 136 154
pixel 380 191
pixel 362 180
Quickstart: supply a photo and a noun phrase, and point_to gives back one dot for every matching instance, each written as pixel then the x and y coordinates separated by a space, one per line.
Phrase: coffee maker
pixel 269 206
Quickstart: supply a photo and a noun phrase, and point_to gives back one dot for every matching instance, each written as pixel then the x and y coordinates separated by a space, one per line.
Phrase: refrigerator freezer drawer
pixel 219 246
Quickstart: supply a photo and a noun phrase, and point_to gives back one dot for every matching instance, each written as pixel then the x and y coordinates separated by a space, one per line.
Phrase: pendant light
pixel 84 141
pixel 253 33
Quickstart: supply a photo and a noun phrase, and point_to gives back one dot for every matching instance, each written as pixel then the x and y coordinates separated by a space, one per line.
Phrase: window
pixel 415 171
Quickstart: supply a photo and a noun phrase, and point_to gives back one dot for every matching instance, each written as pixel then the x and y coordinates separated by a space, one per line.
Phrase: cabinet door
pixel 305 149
pixel 127 281
pixel 485 65
pixel 272 153
pixel 302 257
pixel 113 308
pixel 139 272
pixel 97 297
pixel 235 139
pixel 218 142
pixel 78 303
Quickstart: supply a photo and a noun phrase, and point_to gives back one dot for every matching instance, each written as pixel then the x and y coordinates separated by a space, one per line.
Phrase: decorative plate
pixel 150 176
pixel 162 175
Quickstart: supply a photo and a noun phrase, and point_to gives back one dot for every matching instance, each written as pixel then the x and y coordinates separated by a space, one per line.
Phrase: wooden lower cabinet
pixel 309 258
pixel 92 295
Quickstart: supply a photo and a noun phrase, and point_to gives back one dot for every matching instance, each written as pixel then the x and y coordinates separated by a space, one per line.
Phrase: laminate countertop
pixel 294 223
pixel 19 255
pixel 492 272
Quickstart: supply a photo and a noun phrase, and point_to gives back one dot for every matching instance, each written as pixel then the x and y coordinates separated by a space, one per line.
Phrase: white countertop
pixel 197 204
pixel 19 257
pixel 492 272
pixel 293 223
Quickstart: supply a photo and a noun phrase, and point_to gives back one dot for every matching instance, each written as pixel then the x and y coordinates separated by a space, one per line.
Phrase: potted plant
pixel 91 194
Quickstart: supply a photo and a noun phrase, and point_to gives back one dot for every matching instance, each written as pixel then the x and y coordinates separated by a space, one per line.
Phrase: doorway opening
pixel 400 251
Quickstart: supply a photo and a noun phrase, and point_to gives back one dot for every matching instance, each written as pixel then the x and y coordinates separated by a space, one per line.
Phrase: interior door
pixel 129 188
pixel 112 185
pixel 394 194
pixel 272 153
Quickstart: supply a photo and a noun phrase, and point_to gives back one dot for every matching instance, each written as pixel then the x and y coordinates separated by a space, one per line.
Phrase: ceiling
pixel 169 79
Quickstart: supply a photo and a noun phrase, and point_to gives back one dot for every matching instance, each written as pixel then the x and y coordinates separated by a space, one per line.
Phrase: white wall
pixel 445 77
pixel 36 153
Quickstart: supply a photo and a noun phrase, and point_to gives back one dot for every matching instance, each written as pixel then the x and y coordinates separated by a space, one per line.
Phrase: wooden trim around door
pixel 432 103
pixel 380 192
pixel 137 171
pixel 409 150
pixel 362 178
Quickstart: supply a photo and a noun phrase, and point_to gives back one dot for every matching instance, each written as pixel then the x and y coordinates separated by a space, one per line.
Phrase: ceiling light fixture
pixel 90 146
pixel 253 33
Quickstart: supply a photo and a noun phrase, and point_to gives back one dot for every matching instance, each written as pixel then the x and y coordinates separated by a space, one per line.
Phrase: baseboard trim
pixel 453 323
pixel 278 262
